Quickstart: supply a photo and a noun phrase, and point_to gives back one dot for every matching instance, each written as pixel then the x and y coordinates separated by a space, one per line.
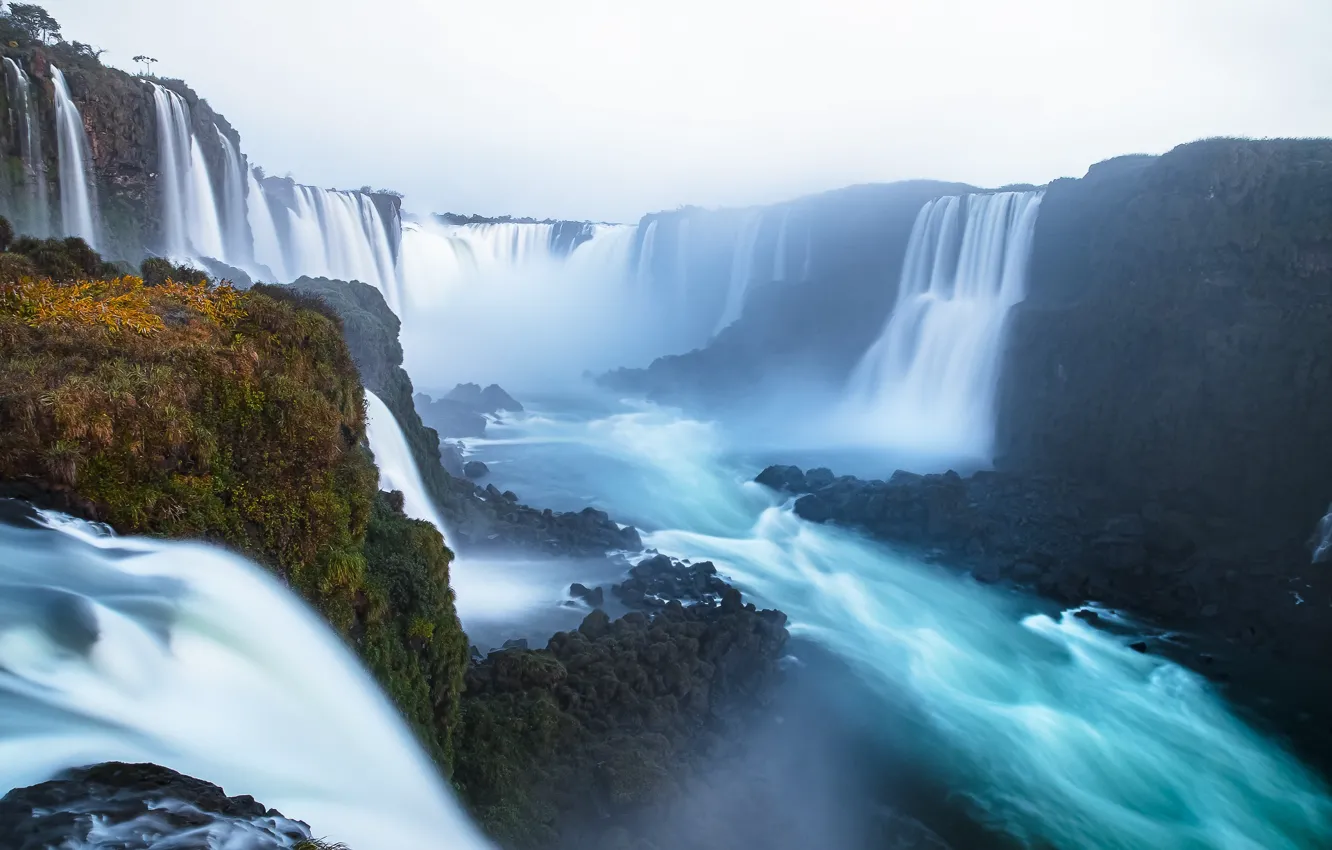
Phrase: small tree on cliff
pixel 147 62
pixel 34 22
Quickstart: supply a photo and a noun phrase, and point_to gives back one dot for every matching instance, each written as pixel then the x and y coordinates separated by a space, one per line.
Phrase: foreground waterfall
pixel 397 469
pixel 32 206
pixel 1059 734
pixel 78 205
pixel 190 657
pixel 928 382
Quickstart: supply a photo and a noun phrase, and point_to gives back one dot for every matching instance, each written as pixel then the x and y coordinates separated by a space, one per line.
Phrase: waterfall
pixel 682 264
pixel 779 255
pixel 189 656
pixel 335 234
pixel 742 269
pixel 809 252
pixel 645 252
pixel 190 222
pixel 397 469
pixel 267 244
pixel 236 237
pixel 928 381
pixel 1322 540
pixel 493 303
pixel 26 125
pixel 78 205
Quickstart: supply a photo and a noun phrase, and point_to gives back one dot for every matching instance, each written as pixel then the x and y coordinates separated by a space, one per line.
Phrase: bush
pixel 63 259
pixel 157 270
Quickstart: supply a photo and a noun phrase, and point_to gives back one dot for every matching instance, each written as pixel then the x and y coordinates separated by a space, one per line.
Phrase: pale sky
pixel 606 110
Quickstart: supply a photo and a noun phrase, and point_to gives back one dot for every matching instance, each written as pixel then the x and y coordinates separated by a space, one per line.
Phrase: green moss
pixel 248 430
pixel 416 646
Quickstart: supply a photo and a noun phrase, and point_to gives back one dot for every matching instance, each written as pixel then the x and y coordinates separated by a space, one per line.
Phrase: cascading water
pixel 1058 734
pixel 1322 540
pixel 928 381
pixel 494 303
pixel 742 269
pixel 397 469
pixel 236 238
pixel 809 253
pixel 779 255
pixel 191 657
pixel 190 222
pixel 34 215
pixel 78 204
pixel 267 242
pixel 334 234
pixel 645 253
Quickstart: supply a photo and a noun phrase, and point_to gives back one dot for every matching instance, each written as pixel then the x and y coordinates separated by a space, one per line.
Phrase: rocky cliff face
pixel 1177 335
pixel 119 118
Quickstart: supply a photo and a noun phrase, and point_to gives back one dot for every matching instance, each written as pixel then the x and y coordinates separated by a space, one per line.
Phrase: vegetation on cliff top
pixel 197 411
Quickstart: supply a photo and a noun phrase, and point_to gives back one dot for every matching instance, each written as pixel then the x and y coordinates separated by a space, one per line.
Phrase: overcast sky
pixel 606 110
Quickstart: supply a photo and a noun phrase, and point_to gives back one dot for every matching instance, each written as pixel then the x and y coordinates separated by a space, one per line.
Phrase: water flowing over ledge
pixel 187 656
pixel 928 382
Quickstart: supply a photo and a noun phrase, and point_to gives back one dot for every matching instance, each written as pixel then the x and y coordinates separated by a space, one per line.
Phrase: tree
pixel 34 22
pixel 88 51
pixel 147 62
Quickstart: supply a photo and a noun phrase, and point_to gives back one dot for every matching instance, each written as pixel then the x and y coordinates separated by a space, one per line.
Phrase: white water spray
pixel 329 233
pixel 742 269
pixel 190 223
pixel 779 255
pixel 201 662
pixel 236 237
pixel 78 205
pixel 267 244
pixel 538 316
pixel 35 217
pixel 645 252
pixel 397 469
pixel 928 381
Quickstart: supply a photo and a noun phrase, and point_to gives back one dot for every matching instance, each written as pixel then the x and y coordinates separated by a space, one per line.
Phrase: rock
pixel 813 508
pixel 592 596
pixel 490 400
pixel 595 625
pixel 140 804
pixel 516 643
pixel 475 469
pixel 1025 572
pixel 659 580
pixel 451 458
pixel 819 478
pixel 495 399
pixel 1139 646
pixel 783 479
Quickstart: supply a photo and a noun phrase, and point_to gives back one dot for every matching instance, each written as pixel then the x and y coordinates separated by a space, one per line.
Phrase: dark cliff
pixel 1177 335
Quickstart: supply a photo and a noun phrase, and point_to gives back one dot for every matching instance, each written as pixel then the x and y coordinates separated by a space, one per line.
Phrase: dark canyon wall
pixel 1177 334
